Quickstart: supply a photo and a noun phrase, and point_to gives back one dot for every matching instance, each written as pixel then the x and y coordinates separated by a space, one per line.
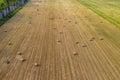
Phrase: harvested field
pixel 50 40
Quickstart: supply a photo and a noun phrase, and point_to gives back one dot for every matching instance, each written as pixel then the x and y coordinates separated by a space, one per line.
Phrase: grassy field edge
pixel 100 13
pixel 11 14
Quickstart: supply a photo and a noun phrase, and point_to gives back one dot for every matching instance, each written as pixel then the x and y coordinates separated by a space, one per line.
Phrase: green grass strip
pixel 100 13
pixel 11 14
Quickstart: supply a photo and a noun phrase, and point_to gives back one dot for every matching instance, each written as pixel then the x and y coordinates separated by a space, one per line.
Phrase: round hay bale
pixel 9 43
pixel 37 9
pixel 61 32
pixel 65 19
pixel 54 28
pixel 7 62
pixel 5 30
pixel 51 18
pixel 101 38
pixel 84 45
pixel 29 17
pixel 22 60
pixel 76 42
pixel 92 38
pixel 75 53
pixel 59 17
pixel 64 26
pixel 86 16
pixel 19 53
pixel 75 22
pixel 36 64
pixel 30 22
pixel 58 41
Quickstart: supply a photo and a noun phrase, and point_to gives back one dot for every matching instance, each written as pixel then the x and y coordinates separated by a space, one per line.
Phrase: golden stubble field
pixel 64 38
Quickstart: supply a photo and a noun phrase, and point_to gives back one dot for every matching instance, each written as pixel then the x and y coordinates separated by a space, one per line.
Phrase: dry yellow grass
pixel 45 32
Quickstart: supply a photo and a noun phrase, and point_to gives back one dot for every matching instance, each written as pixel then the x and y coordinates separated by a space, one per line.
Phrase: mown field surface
pixel 57 34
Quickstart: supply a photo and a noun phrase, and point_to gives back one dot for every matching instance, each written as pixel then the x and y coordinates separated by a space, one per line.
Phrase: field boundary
pixel 103 15
pixel 11 14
